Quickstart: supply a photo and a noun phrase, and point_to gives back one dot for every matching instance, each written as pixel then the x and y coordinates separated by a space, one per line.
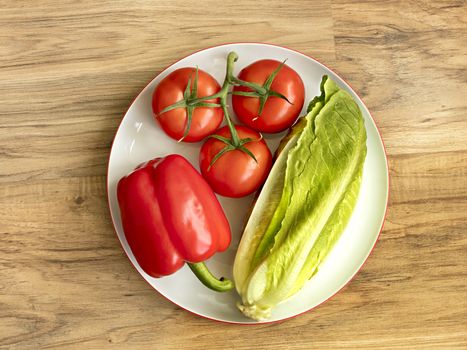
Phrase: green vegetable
pixel 304 205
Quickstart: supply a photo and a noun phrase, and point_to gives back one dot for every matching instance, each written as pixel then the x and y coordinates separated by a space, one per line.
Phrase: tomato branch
pixel 191 101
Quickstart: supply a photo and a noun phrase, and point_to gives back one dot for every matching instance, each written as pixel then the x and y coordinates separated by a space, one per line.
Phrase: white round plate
pixel 139 139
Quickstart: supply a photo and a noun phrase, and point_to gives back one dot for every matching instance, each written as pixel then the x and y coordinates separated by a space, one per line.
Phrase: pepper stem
pixel 207 278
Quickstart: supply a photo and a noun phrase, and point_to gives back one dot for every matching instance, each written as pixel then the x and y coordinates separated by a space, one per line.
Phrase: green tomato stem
pixel 256 87
pixel 222 96
pixel 231 59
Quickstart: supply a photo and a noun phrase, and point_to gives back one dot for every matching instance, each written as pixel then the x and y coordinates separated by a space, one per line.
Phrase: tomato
pixel 235 173
pixel 278 114
pixel 205 120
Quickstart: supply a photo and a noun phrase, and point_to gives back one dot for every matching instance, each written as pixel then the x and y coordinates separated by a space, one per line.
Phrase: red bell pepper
pixel 171 216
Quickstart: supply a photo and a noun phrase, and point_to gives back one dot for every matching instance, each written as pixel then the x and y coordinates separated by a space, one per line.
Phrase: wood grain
pixel 69 70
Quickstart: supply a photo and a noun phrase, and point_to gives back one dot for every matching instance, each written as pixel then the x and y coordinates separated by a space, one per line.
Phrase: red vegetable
pixel 235 173
pixel 176 105
pixel 275 107
pixel 170 215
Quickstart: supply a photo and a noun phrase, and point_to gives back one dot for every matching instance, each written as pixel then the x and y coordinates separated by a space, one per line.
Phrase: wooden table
pixel 68 72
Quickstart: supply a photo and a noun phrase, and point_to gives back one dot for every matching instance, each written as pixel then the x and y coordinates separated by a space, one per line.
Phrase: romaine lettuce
pixel 305 203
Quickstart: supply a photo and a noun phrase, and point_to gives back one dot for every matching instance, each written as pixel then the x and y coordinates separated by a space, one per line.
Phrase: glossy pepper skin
pixel 171 216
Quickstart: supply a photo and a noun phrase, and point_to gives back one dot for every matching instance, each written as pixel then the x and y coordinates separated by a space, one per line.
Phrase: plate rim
pixel 388 184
